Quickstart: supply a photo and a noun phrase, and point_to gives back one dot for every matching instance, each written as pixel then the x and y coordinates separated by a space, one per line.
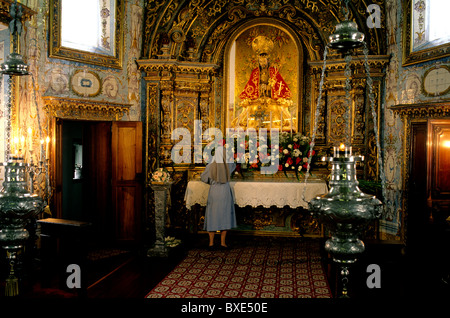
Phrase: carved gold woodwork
pixel 70 108
pixel 340 115
pixel 207 24
pixel 184 89
pixel 5 17
pixel 184 51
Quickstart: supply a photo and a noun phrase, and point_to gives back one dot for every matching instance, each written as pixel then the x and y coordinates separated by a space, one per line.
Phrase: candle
pixel 342 150
pixel 47 140
pixel 42 150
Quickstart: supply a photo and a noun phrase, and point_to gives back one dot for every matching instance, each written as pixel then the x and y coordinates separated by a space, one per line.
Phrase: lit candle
pixel 47 140
pixel 343 150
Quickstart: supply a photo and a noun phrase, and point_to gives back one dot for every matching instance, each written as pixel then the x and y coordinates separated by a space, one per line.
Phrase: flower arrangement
pixel 252 154
pixel 294 152
pixel 161 175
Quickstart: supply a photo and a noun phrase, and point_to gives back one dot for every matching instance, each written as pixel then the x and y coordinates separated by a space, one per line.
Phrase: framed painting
pixel 263 78
pixel 425 30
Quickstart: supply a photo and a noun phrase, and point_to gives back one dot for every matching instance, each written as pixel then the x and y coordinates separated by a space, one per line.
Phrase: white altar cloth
pixel 261 193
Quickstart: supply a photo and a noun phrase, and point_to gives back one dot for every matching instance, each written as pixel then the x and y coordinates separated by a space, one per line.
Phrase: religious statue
pixel 266 97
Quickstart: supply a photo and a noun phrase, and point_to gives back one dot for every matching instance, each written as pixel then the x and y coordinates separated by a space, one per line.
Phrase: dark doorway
pixel 99 178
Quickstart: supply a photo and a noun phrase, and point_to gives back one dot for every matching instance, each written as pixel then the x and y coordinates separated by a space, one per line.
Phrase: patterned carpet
pixel 258 268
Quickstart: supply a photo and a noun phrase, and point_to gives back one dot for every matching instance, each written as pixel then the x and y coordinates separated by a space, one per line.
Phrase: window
pixel 430 23
pixel 425 32
pixel 93 32
pixel 88 31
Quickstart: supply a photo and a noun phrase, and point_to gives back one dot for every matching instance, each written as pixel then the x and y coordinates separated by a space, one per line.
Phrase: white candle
pixel 47 140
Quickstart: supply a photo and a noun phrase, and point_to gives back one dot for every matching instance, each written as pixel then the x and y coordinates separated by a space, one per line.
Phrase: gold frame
pixel 424 91
pixel 409 57
pixel 61 52
pixel 300 80
pixel 80 94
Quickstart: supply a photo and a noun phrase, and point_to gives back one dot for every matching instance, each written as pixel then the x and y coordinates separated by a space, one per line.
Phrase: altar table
pixel 263 193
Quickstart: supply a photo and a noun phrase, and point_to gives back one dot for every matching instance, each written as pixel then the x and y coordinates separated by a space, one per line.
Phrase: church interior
pixel 111 110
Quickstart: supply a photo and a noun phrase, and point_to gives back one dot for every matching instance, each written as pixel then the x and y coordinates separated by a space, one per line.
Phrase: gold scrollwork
pixel 70 108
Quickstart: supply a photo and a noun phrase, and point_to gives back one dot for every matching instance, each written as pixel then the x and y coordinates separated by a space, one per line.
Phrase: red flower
pixel 297 161
pixel 280 167
pixel 289 161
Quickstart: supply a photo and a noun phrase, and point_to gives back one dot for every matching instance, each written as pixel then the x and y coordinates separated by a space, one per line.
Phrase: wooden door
pixel 97 179
pixel 417 216
pixel 126 164
pixel 438 185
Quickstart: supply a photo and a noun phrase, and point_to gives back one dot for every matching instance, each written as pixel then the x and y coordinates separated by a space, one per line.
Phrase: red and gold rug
pixel 266 268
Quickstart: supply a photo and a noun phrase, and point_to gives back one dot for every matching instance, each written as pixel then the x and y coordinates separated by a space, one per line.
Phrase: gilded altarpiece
pixel 186 64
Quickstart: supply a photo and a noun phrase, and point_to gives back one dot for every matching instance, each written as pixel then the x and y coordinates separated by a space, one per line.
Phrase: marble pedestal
pixel 161 192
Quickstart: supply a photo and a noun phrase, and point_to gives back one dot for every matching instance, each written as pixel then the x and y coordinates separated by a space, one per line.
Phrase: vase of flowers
pixel 160 175
pixel 294 153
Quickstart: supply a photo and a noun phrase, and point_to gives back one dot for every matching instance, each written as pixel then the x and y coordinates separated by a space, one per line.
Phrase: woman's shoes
pixel 219 248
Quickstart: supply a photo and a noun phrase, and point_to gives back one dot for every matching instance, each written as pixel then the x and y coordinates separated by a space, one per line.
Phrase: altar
pixel 264 207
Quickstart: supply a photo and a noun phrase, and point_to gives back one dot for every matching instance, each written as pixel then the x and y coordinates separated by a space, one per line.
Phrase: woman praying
pixel 219 214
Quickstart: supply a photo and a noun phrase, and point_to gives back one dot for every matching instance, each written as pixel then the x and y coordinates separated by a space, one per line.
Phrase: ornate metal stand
pixel 17 207
pixel 345 211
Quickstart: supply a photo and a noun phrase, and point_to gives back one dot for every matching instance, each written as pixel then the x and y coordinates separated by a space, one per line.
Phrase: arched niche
pixel 285 60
